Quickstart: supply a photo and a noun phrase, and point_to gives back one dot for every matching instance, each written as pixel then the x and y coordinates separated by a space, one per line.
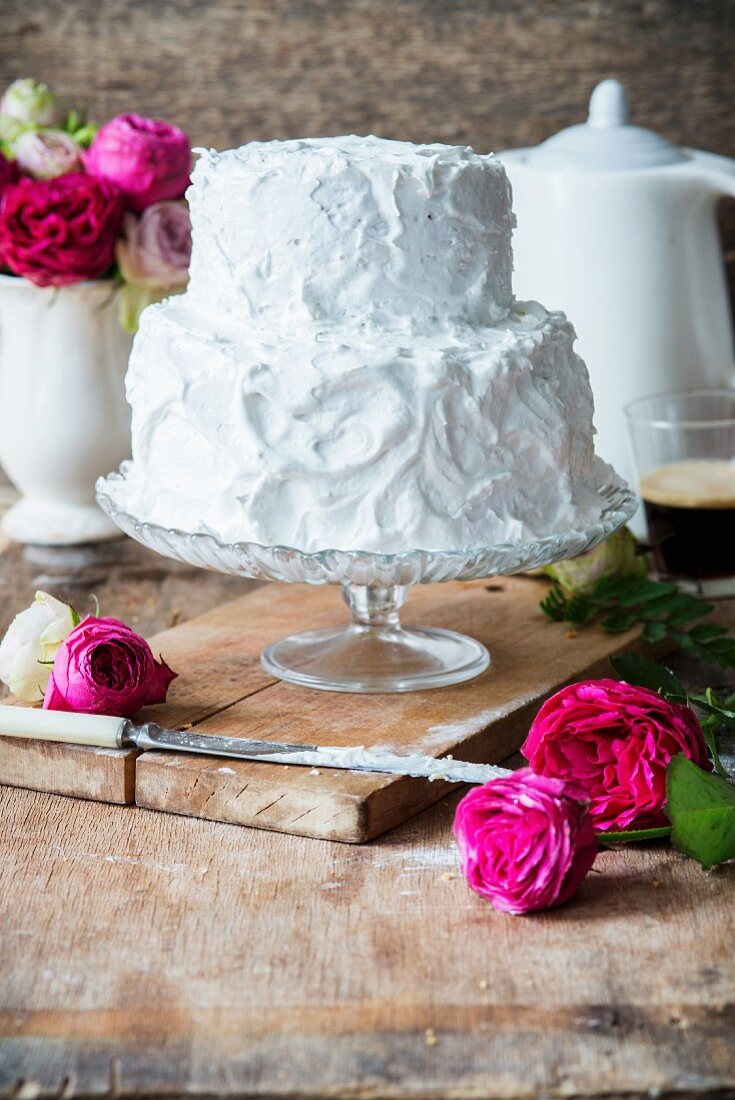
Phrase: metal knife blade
pixel 152 736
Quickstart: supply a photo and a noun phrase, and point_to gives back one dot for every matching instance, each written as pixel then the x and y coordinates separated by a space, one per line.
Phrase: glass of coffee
pixel 684 454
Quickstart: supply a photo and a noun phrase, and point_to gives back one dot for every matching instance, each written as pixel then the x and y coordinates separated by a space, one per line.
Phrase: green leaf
pixel 632 591
pixel 85 135
pixel 554 604
pixel 654 632
pixel 704 632
pixel 708 702
pixel 618 624
pixel 631 835
pixel 643 672
pixel 710 728
pixel 701 809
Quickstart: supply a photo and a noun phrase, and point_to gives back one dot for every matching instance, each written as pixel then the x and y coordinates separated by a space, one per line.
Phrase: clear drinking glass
pixel 684 454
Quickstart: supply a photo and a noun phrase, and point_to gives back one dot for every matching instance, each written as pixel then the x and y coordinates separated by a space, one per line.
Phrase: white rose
pixel 28 649
pixel 29 101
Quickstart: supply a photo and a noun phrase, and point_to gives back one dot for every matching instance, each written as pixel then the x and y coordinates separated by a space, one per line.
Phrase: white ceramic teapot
pixel 616 226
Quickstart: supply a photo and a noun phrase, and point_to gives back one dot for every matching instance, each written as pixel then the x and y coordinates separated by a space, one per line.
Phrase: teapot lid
pixel 606 141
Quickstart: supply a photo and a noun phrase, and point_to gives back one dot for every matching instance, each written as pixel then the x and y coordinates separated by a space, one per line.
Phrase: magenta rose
pixel 104 667
pixel 148 159
pixel 8 173
pixel 615 741
pixel 60 231
pixel 155 248
pixel 526 841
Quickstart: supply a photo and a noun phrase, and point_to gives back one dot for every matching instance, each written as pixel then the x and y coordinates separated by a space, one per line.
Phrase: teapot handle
pixel 724 184
pixel 715 171
pixel 715 178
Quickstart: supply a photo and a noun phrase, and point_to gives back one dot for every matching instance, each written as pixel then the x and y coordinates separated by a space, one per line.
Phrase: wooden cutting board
pixel 223 689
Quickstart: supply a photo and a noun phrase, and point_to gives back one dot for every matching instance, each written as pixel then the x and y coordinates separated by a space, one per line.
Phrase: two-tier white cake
pixel 348 368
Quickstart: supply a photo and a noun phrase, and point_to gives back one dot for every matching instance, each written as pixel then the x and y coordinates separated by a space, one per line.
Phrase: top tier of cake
pixel 357 230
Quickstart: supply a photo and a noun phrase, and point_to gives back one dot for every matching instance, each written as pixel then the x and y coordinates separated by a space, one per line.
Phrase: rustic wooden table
pixel 148 954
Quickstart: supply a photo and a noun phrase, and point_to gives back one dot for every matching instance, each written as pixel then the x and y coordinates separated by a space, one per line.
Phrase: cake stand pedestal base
pixel 375 653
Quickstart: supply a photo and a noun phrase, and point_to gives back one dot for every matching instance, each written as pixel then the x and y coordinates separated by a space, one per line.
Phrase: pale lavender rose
pixel 46 154
pixel 155 248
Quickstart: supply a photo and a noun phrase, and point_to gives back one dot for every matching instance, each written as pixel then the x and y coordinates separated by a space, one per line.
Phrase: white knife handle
pixel 54 725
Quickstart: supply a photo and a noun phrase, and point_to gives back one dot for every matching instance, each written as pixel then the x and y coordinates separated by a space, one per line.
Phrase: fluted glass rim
pixel 332 566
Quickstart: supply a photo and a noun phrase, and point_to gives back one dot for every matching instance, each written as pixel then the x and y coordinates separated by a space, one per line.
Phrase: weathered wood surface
pixel 491 74
pixel 149 954
pixel 104 775
pixel 152 954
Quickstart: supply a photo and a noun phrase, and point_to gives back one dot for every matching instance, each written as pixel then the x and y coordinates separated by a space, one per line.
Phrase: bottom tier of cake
pixel 354 439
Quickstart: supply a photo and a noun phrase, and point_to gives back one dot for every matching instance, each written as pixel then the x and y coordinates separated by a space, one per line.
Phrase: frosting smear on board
pixel 348 368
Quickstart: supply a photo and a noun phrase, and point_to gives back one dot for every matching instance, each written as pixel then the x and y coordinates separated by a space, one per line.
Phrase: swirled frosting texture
pixel 348 369
pixel 447 443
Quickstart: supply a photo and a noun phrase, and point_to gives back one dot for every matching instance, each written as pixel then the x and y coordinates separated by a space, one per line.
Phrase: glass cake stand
pixel 374 653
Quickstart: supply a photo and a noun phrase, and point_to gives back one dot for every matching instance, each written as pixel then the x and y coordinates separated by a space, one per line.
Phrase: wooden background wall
pixel 493 73
pixel 490 72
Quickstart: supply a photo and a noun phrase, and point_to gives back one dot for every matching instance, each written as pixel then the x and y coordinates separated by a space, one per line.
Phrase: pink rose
pixel 46 154
pixel 104 667
pixel 60 231
pixel 615 741
pixel 526 841
pixel 148 159
pixel 155 248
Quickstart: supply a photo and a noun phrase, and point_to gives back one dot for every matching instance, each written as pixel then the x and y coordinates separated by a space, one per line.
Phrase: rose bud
pixel 46 154
pixel 148 159
pixel 31 643
pixel 104 667
pixel 525 841
pixel 155 248
pixel 614 741
pixel 28 101
pixel 31 242
pixel 617 556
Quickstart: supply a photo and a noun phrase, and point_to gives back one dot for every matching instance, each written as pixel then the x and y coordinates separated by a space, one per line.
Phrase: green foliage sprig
pixel 618 604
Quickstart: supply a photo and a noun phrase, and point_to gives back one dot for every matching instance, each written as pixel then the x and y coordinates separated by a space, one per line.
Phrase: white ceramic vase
pixel 64 419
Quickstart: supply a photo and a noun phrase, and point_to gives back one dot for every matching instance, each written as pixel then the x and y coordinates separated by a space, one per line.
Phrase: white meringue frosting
pixel 348 368
pixel 355 230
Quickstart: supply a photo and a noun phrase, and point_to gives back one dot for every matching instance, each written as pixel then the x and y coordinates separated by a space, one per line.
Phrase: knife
pixel 103 731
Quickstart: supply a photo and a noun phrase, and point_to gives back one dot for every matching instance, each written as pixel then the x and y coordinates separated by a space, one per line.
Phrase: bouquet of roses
pixel 80 202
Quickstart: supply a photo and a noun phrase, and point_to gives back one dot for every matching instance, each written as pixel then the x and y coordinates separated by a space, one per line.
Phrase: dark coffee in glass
pixel 684 451
pixel 690 516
